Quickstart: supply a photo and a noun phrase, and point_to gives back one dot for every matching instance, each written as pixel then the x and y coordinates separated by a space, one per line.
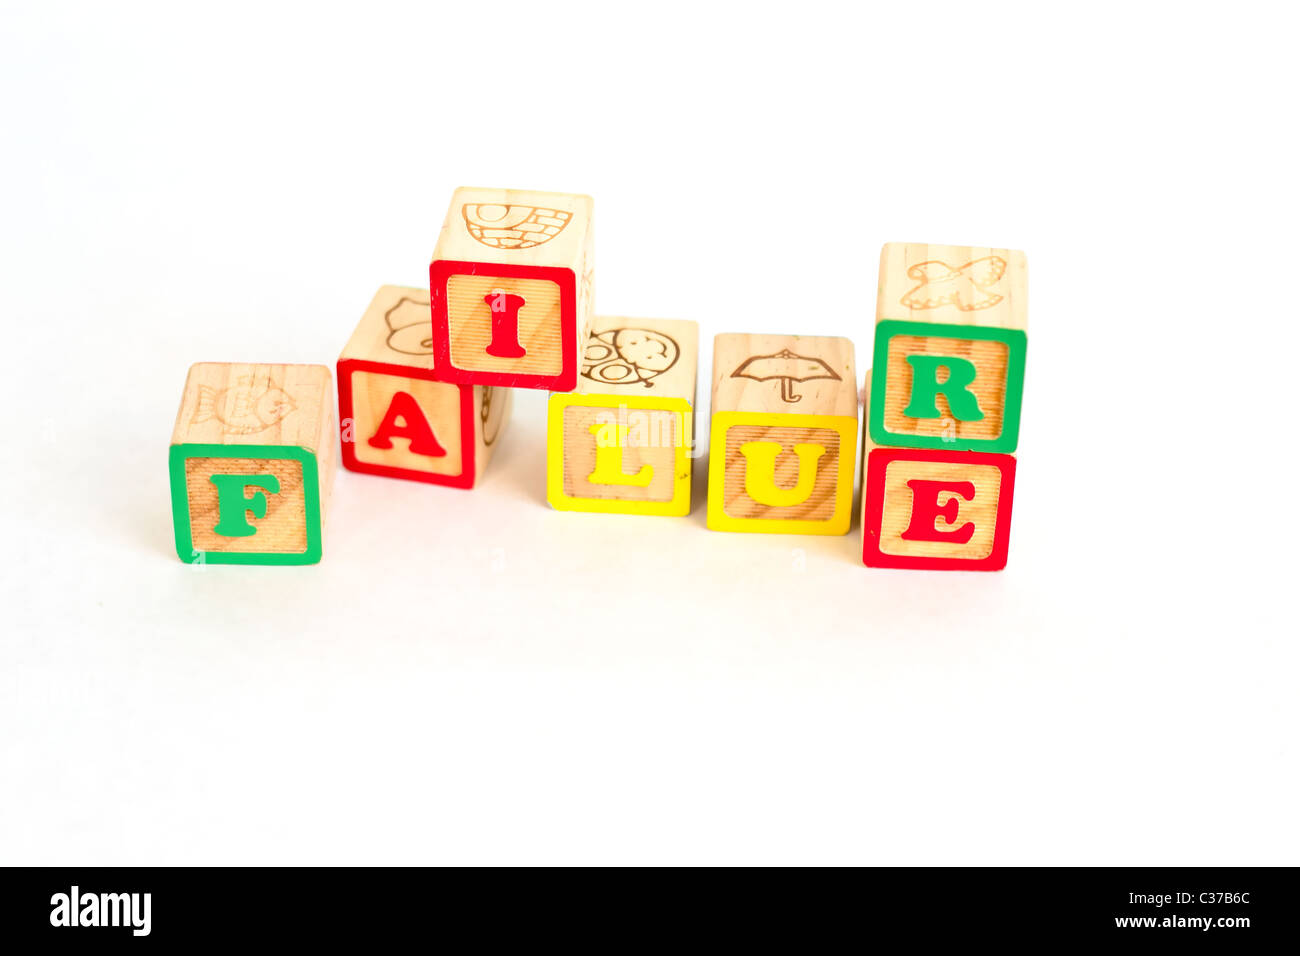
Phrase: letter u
pixel 760 473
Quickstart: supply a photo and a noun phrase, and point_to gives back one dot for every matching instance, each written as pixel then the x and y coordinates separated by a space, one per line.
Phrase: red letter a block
pixel 936 510
pixel 395 418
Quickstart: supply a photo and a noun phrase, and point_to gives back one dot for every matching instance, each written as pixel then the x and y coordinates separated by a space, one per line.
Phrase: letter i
pixel 505 308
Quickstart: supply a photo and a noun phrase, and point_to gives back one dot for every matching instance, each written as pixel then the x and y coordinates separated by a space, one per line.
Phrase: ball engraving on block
pixel 621 356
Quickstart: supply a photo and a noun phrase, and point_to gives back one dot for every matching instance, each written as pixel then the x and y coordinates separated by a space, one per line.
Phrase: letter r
pixel 926 387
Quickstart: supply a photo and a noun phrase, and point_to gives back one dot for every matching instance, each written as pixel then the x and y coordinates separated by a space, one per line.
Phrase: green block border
pixel 1016 342
pixel 181 505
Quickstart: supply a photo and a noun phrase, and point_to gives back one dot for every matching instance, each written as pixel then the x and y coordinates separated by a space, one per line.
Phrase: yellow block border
pixel 677 506
pixel 840 519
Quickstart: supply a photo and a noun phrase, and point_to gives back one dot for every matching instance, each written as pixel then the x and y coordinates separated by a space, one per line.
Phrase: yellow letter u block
pixel 783 474
pixel 783 441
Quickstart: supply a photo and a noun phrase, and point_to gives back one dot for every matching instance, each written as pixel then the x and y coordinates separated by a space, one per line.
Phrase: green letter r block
pixel 926 386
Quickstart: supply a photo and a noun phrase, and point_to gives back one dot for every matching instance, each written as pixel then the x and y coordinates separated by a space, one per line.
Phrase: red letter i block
pixel 511 287
pixel 936 510
pixel 395 418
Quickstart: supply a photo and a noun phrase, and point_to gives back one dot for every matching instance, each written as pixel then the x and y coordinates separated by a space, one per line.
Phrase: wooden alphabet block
pixel 949 358
pixel 252 463
pixel 511 280
pixel 783 439
pixel 396 417
pixel 936 510
pixel 622 441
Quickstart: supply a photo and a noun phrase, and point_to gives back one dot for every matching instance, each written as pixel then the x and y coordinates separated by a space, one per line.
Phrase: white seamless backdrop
pixel 473 677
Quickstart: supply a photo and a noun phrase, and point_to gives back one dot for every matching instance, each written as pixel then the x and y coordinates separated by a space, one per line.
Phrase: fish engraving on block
pixel 249 406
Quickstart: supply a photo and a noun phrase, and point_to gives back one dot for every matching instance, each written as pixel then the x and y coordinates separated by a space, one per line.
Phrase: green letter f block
pixel 241 497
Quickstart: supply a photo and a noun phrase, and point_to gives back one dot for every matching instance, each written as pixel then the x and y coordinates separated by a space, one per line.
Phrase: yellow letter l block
pixel 626 454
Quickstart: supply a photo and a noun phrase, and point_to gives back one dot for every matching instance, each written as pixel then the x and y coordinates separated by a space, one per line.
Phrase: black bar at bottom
pixel 1226 907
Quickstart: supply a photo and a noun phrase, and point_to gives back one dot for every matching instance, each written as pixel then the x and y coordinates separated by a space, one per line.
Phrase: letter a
pixel 760 473
pixel 611 438
pixel 414 427
pixel 234 505
pixel 926 387
pixel 59 914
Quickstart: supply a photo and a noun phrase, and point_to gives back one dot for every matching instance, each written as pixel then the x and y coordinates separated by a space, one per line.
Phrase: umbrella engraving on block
pixel 788 368
pixel 622 356
pixel 409 328
pixel 513 227
pixel 963 287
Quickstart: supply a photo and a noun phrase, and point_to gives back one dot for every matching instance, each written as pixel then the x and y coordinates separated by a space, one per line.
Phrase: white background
pixel 473 677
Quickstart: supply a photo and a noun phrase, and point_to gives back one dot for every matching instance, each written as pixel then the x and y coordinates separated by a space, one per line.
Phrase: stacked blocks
pixel 252 463
pixel 943 407
pixel 425 393
pixel 395 417
pixel 511 282
pixel 622 441
pixel 783 435
pixel 423 383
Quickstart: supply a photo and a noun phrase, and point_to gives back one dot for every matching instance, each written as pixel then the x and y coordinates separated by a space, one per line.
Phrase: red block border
pixel 878 459
pixel 565 381
pixel 467 434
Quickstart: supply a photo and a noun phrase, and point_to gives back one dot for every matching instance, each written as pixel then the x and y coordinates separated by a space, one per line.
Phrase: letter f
pixel 234 505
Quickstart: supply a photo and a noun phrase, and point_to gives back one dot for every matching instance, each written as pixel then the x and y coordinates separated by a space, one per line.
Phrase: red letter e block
pixel 937 510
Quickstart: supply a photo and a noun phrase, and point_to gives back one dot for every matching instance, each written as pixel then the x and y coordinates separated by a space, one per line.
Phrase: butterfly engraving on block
pixel 964 287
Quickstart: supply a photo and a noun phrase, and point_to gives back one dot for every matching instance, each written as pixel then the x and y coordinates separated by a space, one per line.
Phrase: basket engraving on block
pixel 513 227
